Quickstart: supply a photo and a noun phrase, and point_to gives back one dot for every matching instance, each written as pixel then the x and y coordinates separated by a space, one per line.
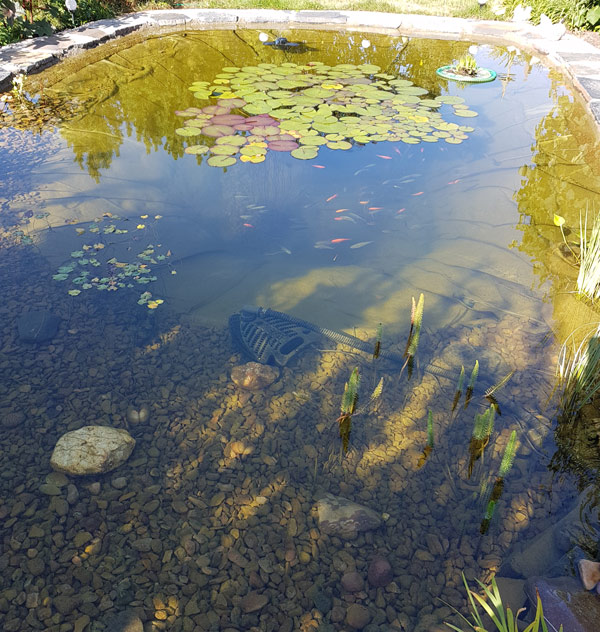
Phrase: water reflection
pixel 212 519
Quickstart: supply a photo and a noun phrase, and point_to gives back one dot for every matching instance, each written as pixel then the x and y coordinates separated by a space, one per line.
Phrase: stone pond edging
pixel 579 59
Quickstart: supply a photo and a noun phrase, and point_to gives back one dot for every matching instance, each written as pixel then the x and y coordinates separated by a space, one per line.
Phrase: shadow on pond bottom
pixel 212 522
pixel 223 517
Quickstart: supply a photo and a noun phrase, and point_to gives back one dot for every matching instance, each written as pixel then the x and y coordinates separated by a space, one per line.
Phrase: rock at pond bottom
pixel 37 326
pixel 380 572
pixel 253 601
pixel 565 603
pixel 344 518
pixel 254 376
pixel 357 616
pixel 92 450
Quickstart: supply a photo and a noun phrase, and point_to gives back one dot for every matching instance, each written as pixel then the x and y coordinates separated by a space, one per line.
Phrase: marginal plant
pixel 466 65
pixel 472 380
pixel 416 320
pixel 482 429
pixel 378 335
pixel 429 446
pixel 489 394
pixel 502 617
pixel 347 408
pixel 505 465
pixel 578 370
pixel 588 279
pixel 459 387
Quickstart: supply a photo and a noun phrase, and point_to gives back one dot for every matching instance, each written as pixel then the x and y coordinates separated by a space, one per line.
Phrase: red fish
pixel 419 193
pixel 338 241
pixel 341 210
pixel 400 210
pixel 318 166
pixel 384 157
pixel 331 197
pixel 364 202
pixel 248 226
pixel 454 181
pixel 375 208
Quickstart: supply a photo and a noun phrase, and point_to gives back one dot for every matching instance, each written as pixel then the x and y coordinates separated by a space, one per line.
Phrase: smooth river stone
pixel 345 518
pixel 254 376
pixel 92 450
pixel 253 601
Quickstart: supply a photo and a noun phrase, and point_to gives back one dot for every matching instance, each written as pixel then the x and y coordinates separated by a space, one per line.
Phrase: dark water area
pixel 142 252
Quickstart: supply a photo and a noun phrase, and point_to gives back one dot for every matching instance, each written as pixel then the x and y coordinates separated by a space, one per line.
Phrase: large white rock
pixel 92 450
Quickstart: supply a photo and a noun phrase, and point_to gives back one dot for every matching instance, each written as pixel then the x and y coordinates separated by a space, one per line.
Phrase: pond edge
pixel 578 59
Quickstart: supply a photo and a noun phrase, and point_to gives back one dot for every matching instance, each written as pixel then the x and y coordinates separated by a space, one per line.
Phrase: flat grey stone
pixel 345 518
pixel 320 17
pixel 6 78
pixel 170 18
pixel 265 16
pixel 595 108
pixel 126 621
pixel 37 326
pixel 565 603
pixel 591 86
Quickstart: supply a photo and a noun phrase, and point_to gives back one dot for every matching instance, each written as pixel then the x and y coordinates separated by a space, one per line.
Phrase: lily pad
pixel 223 150
pixel 217 130
pixel 283 145
pixel 196 149
pixel 305 153
pixel 465 113
pixel 188 131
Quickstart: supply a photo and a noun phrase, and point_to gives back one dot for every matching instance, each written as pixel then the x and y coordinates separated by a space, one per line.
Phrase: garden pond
pixel 153 188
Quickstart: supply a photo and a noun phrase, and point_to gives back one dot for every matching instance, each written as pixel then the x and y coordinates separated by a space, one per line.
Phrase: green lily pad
pixel 188 131
pixel 339 144
pixel 223 150
pixel 232 140
pixel 196 149
pixel 305 153
pixel 465 113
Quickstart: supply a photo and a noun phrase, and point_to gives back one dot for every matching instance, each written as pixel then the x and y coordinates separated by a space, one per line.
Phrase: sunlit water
pixel 460 223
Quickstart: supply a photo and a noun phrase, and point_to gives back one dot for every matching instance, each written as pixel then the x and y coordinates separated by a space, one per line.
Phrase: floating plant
pixel 93 267
pixel 299 109
pixel 466 69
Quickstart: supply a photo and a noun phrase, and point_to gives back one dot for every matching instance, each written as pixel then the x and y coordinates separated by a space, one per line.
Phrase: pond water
pixel 144 252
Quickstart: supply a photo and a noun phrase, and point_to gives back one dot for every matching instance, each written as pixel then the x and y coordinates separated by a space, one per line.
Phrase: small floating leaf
pixel 74 292
pixel 187 131
pixel 221 161
pixel 196 149
pixel 305 153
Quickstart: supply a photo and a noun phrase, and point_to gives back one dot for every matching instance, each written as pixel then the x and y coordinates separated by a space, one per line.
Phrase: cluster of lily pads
pixel 89 268
pixel 299 109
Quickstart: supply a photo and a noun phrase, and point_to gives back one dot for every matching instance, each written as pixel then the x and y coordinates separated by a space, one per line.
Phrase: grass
pixel 588 280
pixel 444 8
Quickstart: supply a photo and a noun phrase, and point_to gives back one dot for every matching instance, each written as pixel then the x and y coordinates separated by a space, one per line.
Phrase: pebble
pixel 253 601
pixel 352 582
pixel 357 616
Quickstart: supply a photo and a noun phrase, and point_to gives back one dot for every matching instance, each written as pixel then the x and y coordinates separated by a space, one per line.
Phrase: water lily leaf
pixel 196 149
pixel 259 107
pixel 221 161
pixel 266 130
pixel 453 141
pixel 465 113
pixel 77 253
pixel 188 131
pixel 253 150
pixel 202 94
pixel 312 140
pixel 339 144
pixel 232 140
pixel 227 119
pixel 370 69
pixel 60 277
pixel 305 153
pixel 215 131
pixel 74 292
pixel 223 150
pixel 450 99
pixel 283 145
pixel 253 159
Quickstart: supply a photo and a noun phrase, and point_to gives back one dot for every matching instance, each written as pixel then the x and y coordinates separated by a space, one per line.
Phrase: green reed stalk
pixel 430 429
pixel 459 387
pixel 377 341
pixel 588 279
pixel 471 386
